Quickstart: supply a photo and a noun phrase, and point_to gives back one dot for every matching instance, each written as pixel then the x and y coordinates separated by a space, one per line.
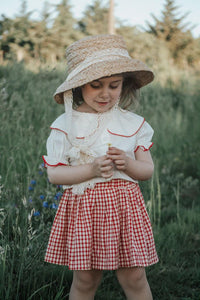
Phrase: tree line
pixel 167 38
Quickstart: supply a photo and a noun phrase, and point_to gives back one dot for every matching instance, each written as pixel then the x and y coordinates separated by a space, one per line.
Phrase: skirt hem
pixel 104 268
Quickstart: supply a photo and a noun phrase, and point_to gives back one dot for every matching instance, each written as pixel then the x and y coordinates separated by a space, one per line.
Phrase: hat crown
pixel 82 49
pixel 100 56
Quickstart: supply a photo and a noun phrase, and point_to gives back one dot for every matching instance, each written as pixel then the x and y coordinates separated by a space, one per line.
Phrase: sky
pixel 131 12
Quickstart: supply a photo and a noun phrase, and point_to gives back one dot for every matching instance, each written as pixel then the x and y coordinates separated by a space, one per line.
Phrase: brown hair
pixel 130 93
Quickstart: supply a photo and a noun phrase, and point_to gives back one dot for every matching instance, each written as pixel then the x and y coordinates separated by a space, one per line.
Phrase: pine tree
pixel 95 19
pixel 5 26
pixel 63 30
pixel 170 24
pixel 172 29
pixel 16 34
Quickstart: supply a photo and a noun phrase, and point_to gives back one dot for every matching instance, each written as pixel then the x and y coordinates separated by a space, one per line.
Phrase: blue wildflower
pixel 30 199
pixel 54 206
pixel 36 214
pixel 33 182
pixel 40 172
pixel 30 188
pixel 42 197
pixel 59 194
pixel 45 204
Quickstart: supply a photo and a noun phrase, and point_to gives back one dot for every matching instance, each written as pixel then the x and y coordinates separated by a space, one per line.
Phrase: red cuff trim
pixel 47 164
pixel 143 148
pixel 127 136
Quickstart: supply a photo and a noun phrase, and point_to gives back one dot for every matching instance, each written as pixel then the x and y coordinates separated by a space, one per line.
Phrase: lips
pixel 102 103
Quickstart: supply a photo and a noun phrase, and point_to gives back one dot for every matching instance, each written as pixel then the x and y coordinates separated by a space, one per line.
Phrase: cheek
pixel 88 93
pixel 85 92
pixel 117 93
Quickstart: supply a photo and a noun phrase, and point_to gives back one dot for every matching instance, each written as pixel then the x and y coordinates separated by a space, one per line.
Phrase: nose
pixel 104 93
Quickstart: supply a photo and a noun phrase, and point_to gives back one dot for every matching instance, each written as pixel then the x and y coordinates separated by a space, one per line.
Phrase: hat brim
pixel 140 73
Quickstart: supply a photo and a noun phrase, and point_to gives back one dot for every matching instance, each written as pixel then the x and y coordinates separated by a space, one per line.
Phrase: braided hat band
pixel 100 56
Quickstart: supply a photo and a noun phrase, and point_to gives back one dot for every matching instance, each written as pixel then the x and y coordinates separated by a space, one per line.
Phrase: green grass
pixel 172 196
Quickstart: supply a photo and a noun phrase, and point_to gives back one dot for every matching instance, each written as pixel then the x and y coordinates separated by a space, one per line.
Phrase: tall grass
pixel 28 202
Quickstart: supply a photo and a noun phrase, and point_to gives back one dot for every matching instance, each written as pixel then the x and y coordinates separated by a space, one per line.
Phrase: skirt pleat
pixel 106 228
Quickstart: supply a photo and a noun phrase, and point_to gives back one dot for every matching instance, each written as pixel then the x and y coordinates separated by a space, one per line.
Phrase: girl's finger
pixel 115 157
pixel 106 162
pixel 119 162
pixel 107 175
pixel 107 168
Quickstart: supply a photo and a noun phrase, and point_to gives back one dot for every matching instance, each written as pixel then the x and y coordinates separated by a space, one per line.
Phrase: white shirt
pixel 89 137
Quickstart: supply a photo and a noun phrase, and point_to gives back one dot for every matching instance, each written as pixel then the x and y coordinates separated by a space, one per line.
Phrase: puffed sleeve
pixel 57 149
pixel 144 136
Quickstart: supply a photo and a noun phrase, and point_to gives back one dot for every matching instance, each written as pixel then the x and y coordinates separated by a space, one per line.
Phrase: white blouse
pixel 90 136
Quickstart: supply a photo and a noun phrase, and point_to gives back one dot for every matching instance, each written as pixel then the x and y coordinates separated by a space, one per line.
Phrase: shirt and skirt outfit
pixel 100 224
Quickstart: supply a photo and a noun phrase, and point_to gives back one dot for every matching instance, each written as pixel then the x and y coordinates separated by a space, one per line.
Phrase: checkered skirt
pixel 106 228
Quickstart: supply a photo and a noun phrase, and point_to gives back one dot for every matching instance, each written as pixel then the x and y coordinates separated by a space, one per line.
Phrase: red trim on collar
pixel 79 138
pixel 59 130
pixel 127 136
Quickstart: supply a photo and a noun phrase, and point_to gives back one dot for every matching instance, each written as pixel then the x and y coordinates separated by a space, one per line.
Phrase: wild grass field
pixel 28 202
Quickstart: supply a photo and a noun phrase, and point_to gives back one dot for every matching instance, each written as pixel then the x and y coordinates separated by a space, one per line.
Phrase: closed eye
pixel 114 86
pixel 94 86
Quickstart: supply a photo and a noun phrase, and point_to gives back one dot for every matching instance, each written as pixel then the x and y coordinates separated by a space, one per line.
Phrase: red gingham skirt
pixel 107 228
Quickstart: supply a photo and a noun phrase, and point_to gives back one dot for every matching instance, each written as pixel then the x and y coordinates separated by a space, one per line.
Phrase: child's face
pixel 102 94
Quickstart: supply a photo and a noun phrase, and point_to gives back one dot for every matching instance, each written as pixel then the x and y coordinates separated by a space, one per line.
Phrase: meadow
pixel 28 202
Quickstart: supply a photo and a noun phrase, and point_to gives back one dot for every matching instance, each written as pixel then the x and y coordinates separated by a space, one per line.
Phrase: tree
pixel 172 29
pixel 95 19
pixel 15 34
pixel 42 37
pixel 144 46
pixel 170 24
pixel 5 25
pixel 63 31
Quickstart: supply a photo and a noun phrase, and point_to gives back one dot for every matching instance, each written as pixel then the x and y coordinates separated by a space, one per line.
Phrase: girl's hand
pixel 103 167
pixel 118 157
pixel 140 168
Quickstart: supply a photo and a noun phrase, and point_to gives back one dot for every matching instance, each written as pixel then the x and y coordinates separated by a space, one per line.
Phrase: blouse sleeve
pixel 57 149
pixel 144 137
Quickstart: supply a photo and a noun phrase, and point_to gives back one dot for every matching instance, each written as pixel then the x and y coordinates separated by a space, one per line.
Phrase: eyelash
pixel 98 87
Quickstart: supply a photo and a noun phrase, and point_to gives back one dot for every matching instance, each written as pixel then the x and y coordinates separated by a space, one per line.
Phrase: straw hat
pixel 100 56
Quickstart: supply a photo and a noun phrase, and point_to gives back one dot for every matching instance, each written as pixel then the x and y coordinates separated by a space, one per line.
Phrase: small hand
pixel 118 157
pixel 103 167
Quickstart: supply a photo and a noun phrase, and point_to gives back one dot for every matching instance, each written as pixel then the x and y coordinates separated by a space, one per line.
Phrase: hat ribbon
pixel 98 56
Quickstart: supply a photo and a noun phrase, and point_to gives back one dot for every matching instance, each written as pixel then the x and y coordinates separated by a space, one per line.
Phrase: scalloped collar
pixel 123 123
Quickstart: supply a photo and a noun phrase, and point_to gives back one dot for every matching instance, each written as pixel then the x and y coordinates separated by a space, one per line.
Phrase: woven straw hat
pixel 100 56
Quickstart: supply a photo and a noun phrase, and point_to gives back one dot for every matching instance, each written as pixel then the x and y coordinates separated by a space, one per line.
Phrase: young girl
pixel 98 152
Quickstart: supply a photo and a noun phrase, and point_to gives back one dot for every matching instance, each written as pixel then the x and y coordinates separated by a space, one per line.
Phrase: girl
pixel 98 152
